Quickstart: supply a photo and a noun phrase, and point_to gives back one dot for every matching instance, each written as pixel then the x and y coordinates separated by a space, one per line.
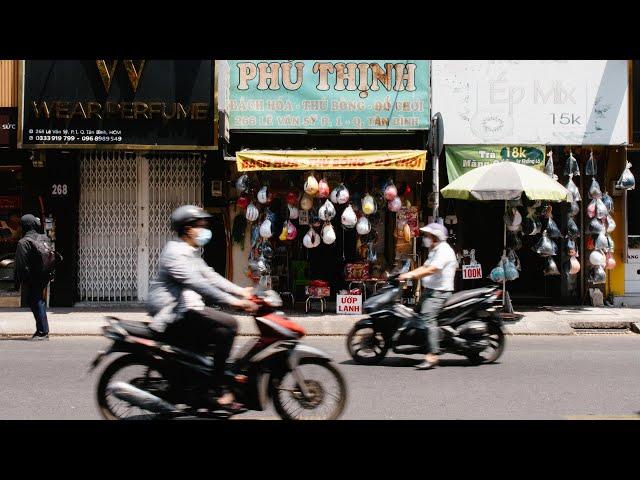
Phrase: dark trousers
pixel 432 303
pixel 199 329
pixel 35 295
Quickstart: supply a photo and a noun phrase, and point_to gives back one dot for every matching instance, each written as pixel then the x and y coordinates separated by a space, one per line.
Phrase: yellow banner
pixel 251 160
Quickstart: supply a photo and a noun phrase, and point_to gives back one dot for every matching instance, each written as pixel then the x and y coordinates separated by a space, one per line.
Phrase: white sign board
pixel 532 102
pixel 349 304
pixel 471 272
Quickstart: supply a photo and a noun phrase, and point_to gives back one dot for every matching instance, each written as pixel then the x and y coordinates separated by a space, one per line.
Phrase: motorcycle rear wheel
pixel 116 409
pixel 371 341
pixel 497 341
pixel 285 391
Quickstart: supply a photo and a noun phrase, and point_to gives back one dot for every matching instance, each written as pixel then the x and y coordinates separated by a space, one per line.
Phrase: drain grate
pixel 601 331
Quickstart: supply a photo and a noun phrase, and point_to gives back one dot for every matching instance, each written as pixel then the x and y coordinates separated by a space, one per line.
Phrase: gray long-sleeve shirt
pixel 183 281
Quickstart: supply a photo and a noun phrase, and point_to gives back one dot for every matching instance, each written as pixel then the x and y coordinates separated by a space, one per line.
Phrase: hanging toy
pixel 252 213
pixel 242 184
pixel 294 213
pixel 550 267
pixel 263 196
pixel 390 191
pixel 594 190
pixel 590 168
pixel 626 181
pixel 368 205
pixel 323 188
pixel 265 229
pixel 306 203
pixel 349 218
pixel 363 227
pixel 327 211
pixel 571 166
pixel 608 202
pixel 311 186
pixel 242 202
pixel 395 205
pixel 328 234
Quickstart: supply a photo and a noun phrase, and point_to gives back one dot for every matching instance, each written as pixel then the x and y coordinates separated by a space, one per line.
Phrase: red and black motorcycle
pixel 170 382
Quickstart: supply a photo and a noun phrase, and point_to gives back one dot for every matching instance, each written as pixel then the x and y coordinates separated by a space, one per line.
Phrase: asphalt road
pixel 565 377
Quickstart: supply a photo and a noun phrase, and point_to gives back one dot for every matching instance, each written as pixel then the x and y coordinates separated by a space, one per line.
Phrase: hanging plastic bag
pixel 611 262
pixel 626 181
pixel 372 255
pixel 368 205
pixel 552 229
pixel 294 213
pixel 591 168
pixel 349 218
pixel 591 209
pixel 252 213
pixel 510 270
pixel 597 275
pixel 548 167
pixel 550 267
pixel 611 224
pixel 283 234
pixel 545 246
pixel 497 274
pixel 597 258
pixel 528 225
pixel 343 195
pixel 575 209
pixel 390 191
pixel 395 205
pixel 363 227
pixel 603 242
pixel 327 211
pixel 512 217
pixel 573 190
pixel 571 166
pixel 292 198
pixel 594 190
pixel 266 229
pixel 601 210
pixel 311 185
pixel 572 249
pixel 590 243
pixel 306 203
pixel 511 256
pixel 323 188
pixel 242 184
pixel 309 239
pixel 263 196
pixel 292 231
pixel 328 234
pixel 574 266
pixel 514 241
pixel 242 202
pixel 572 229
pixel 595 227
pixel 608 202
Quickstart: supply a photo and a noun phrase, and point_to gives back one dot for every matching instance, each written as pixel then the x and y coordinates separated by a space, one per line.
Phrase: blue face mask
pixel 203 237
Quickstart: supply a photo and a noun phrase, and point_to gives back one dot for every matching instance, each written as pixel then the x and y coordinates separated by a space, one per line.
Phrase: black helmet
pixel 185 215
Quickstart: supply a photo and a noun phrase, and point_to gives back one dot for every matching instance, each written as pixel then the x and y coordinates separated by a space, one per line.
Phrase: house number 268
pixel 59 189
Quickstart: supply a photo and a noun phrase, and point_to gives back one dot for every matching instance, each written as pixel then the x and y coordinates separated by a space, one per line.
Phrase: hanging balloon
pixel 262 195
pixel 265 229
pixel 363 227
pixel 390 191
pixel 349 218
pixel 394 205
pixel 327 211
pixel 242 202
pixel 368 205
pixel 311 185
pixel 242 184
pixel 306 203
pixel 328 234
pixel 252 213
pixel 293 212
pixel 323 188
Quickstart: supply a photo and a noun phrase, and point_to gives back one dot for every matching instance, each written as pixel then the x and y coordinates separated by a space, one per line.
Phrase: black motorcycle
pixel 469 325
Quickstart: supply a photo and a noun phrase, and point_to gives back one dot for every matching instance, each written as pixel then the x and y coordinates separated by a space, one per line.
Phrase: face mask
pixel 427 242
pixel 203 236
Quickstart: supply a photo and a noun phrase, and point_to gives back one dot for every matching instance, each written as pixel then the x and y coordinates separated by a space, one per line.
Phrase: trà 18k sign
pixel 118 103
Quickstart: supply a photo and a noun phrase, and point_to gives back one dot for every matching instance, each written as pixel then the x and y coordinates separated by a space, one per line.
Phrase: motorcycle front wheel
pixel 325 384
pixel 366 346
pixel 140 372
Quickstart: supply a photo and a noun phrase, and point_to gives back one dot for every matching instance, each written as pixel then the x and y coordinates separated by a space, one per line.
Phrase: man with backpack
pixel 35 261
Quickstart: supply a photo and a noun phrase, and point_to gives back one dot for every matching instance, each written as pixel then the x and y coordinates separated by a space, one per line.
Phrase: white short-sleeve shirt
pixel 444 259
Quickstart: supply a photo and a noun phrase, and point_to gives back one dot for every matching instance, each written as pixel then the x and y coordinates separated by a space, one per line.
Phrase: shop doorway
pixel 10 231
pixel 125 203
pixel 632 268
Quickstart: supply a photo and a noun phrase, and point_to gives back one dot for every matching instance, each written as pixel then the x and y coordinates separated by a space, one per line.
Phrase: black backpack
pixel 47 257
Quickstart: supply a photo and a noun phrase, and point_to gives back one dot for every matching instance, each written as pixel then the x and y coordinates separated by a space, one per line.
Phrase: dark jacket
pixel 28 263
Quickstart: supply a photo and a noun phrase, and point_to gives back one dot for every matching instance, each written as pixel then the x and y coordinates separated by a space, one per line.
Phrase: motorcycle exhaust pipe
pixel 139 398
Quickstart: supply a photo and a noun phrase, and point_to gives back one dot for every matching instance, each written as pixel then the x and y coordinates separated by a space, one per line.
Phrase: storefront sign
pixel 8 130
pixel 558 102
pixel 150 104
pixel 349 304
pixel 249 160
pixel 329 94
pixel 471 272
pixel 462 158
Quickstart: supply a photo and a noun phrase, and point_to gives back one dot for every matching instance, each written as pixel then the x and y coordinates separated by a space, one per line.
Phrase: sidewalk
pixel 541 321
